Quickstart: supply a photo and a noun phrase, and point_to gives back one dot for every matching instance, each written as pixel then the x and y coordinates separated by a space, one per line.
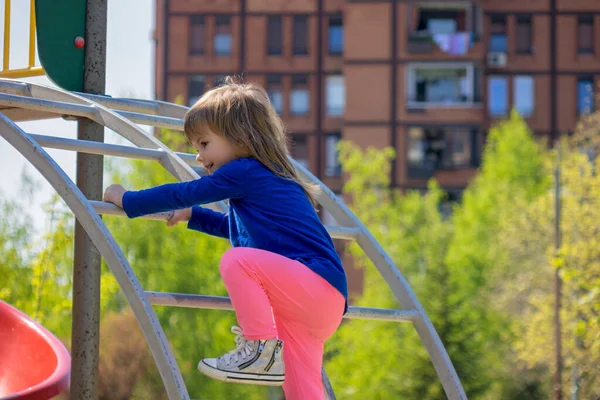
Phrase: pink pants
pixel 275 297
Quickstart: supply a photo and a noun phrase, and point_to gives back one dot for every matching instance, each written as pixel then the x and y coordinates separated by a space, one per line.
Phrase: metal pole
pixel 557 281
pixel 85 336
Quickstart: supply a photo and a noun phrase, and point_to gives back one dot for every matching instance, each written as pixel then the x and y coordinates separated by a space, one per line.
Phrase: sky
pixel 129 73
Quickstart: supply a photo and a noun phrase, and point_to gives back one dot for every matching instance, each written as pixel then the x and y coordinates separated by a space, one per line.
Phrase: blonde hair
pixel 243 115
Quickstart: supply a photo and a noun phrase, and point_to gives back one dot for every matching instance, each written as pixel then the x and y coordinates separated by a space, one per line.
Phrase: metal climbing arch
pixel 21 101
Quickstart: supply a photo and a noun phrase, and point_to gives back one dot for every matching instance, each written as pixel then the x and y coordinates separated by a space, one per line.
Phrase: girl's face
pixel 214 151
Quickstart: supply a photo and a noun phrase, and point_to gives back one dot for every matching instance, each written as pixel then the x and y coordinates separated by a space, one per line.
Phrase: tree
pixel 410 227
pixel 14 238
pixel 513 173
pixel 455 265
pixel 530 237
pixel 125 358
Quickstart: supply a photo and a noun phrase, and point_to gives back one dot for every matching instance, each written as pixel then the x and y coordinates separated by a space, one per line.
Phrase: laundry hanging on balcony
pixel 453 43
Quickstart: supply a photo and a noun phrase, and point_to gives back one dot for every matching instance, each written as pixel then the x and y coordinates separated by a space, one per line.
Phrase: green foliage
pixel 39 272
pixel 513 173
pixel 412 230
pixel 512 168
pixel 15 236
pixel 453 265
pixel 577 259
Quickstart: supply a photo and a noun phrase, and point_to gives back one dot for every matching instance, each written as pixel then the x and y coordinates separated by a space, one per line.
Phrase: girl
pixel 284 277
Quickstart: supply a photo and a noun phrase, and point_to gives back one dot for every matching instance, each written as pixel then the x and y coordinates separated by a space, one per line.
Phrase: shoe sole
pixel 240 377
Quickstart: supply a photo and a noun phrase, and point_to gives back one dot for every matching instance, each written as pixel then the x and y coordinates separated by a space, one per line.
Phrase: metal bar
pixel 116 260
pixel 5 60
pixel 128 130
pixel 161 351
pixel 154 120
pixel 23 73
pixel 107 149
pixel 223 303
pixel 400 287
pixel 31 34
pixel 389 271
pixel 152 107
pixel 85 331
pixel 133 105
pixel 336 232
pixel 329 393
pixel 90 147
pixel 53 106
pixel 80 110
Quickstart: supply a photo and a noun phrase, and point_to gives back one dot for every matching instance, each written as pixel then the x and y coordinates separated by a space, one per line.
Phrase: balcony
pixel 440 148
pixel 451 29
pixel 443 85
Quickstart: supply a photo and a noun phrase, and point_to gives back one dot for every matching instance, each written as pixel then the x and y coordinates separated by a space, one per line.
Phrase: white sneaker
pixel 258 362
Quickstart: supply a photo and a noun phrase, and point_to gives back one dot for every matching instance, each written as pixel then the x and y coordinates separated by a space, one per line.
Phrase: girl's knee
pixel 231 260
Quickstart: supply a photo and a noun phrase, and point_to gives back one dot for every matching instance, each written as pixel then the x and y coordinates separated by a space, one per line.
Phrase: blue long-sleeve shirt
pixel 266 212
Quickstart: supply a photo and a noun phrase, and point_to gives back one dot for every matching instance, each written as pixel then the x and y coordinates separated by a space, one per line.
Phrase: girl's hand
pixel 179 216
pixel 114 194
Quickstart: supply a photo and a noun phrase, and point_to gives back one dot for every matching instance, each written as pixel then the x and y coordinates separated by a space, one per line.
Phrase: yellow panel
pixel 23 71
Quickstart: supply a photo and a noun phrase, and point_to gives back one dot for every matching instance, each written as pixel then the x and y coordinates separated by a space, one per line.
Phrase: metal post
pixel 557 281
pixel 85 336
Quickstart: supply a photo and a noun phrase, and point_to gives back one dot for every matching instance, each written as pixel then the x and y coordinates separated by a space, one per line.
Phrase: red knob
pixel 79 42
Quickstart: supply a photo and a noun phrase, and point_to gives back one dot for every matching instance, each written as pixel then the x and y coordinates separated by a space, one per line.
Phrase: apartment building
pixel 427 78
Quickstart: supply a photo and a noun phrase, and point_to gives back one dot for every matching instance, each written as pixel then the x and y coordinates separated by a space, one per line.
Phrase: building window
pixel 299 150
pixel 439 148
pixel 585 34
pixel 219 80
pixel 332 161
pixel 497 96
pixel 523 95
pixel 299 97
pixel 441 85
pixel 336 35
pixel 300 37
pixel 335 95
pixel 585 96
pixel 498 41
pixel 275 92
pixel 195 88
pixel 524 35
pixel 197 34
pixel 222 40
pixel 274 35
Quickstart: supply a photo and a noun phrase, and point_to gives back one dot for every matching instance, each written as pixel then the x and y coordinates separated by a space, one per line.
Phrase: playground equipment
pixel 21 101
pixel 30 69
pixel 34 365
pixel 60 29
pixel 15 96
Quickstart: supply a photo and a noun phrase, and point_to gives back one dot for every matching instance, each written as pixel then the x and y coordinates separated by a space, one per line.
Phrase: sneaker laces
pixel 243 348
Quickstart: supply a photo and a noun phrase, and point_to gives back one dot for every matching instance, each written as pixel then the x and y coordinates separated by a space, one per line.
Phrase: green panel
pixel 59 22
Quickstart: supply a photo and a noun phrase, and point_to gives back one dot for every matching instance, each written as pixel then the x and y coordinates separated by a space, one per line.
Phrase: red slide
pixel 34 364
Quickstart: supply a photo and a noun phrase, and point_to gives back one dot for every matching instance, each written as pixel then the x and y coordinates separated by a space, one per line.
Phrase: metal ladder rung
pixel 223 303
pixel 132 105
pixel 336 232
pixel 32 99
pixel 135 105
pixel 80 110
pixel 87 146
pixel 102 208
